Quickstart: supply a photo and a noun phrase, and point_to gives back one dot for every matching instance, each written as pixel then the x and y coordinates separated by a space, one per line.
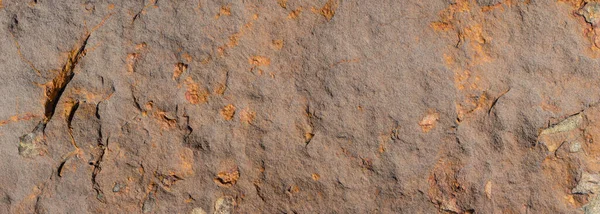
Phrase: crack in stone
pixel 29 144
pixel 33 143
pixel 97 167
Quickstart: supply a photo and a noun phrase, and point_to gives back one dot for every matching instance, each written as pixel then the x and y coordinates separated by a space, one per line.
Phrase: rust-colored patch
pixel 328 10
pixel 131 60
pixel 308 137
pixel 561 174
pixel 140 46
pixel 193 94
pixel 110 6
pixel 473 45
pixel 178 70
pixel 574 3
pixel 186 163
pixel 227 178
pixel 447 15
pixel 294 189
pixel 220 89
pixel 381 148
pixel 259 61
pixel 441 26
pixel 225 10
pixel 228 111
pixel 282 3
pixel 166 120
pixel 429 120
pixel 294 14
pixel 474 36
pixel 17 118
pixel 277 44
pixel 316 176
pixel 444 185
pixel 233 40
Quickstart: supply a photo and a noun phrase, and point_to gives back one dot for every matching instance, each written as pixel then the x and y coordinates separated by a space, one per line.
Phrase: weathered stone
pixel 566 125
pixel 198 210
pixel 575 147
pixel 588 183
pixel 591 13
pixel 322 106
pixel 224 205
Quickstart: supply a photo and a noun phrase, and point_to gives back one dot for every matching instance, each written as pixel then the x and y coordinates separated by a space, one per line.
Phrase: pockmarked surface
pixel 307 106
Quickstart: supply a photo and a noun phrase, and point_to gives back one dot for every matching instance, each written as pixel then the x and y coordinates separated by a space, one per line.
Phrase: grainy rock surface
pixel 320 106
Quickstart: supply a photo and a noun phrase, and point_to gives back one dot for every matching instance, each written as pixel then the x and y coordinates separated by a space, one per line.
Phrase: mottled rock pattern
pixel 308 106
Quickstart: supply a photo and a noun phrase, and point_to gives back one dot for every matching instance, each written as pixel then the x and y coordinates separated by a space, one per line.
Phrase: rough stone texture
pixel 320 106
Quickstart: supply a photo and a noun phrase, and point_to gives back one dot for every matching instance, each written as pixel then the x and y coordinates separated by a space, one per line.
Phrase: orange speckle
pixel 294 189
pixel 179 69
pixel 449 59
pixel 186 162
pixel 316 176
pixel 294 14
pixel 227 178
pixel 220 89
pixel 259 61
pixel 193 94
pixel 225 10
pixel 228 111
pixel 277 44
pixel 328 11
pixel 282 3
pixel 233 40
pixel 494 7
pixel 441 26
pixel 131 60
pixel 140 46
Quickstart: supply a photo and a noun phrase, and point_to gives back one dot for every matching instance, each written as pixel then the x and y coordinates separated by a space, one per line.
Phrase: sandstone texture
pixel 299 106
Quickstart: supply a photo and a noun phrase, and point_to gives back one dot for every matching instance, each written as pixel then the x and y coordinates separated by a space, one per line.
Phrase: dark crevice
pixel 13 27
pixel 32 144
pixel 61 167
pixel 309 134
pixel 55 89
pixel 97 167
pixel 496 101
pixel 71 114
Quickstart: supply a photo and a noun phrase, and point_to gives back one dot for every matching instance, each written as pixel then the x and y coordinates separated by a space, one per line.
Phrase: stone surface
pixel 308 106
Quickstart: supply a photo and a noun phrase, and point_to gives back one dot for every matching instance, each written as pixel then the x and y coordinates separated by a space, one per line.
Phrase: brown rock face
pixel 321 106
